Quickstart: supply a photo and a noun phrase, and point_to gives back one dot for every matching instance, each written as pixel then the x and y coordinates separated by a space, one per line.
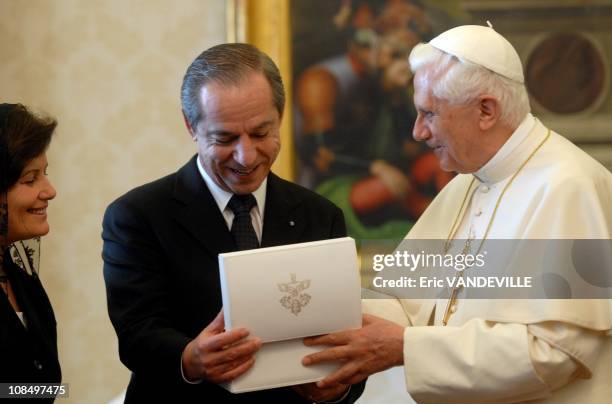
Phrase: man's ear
pixel 191 130
pixel 490 112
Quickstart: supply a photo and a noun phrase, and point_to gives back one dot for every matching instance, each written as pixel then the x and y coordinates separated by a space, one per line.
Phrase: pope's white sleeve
pixel 389 309
pixel 561 352
pixel 484 361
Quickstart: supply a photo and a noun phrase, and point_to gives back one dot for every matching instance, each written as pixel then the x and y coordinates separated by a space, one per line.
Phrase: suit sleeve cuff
pixel 339 400
pixel 183 374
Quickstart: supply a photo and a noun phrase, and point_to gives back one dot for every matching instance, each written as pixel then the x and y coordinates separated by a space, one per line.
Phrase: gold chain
pixel 455 226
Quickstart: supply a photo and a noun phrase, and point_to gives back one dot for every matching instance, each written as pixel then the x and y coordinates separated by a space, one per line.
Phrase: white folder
pixel 283 294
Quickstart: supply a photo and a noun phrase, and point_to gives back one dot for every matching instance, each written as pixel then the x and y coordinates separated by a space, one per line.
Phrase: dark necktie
pixel 242 227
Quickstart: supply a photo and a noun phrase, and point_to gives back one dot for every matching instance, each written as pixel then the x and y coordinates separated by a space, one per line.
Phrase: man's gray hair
pixel 229 65
pixel 460 82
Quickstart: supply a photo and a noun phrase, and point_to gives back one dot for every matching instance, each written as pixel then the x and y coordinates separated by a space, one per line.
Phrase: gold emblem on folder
pixel 295 300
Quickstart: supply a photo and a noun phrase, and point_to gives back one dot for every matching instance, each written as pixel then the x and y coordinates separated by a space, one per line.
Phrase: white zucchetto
pixel 483 46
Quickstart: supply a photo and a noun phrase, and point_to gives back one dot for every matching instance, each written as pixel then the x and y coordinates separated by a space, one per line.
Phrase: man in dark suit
pixel 161 240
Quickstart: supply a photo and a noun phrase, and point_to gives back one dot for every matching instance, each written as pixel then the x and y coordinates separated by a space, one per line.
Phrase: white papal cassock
pixel 514 350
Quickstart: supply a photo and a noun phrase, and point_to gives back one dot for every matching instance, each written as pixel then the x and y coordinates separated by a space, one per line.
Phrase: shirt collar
pixel 222 197
pixel 507 159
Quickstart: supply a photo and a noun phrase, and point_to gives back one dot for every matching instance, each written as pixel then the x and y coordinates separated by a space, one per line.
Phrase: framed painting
pixel 353 111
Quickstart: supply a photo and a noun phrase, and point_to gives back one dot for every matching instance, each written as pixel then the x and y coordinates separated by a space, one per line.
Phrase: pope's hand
pixel 219 356
pixel 375 347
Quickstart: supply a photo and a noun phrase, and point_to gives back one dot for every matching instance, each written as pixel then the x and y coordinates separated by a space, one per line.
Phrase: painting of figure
pixel 353 111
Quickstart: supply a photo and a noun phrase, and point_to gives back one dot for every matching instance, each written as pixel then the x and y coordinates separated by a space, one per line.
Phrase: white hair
pixel 459 82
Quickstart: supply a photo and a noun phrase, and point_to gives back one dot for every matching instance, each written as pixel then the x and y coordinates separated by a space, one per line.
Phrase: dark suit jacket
pixel 161 242
pixel 27 355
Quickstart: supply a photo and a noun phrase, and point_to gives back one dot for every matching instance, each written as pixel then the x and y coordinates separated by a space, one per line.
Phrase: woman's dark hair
pixel 27 136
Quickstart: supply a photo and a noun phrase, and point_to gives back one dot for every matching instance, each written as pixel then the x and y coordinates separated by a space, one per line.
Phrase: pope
pixel 517 180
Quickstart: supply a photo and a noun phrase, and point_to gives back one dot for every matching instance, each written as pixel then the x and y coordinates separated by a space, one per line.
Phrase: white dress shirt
pixel 222 198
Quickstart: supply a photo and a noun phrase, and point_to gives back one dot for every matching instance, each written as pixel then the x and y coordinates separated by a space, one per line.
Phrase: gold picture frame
pixel 266 24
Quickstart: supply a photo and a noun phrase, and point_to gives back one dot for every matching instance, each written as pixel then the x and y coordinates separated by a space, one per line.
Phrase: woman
pixel 28 339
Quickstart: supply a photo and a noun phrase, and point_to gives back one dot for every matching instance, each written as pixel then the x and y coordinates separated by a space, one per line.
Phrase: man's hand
pixel 397 182
pixel 397 75
pixel 219 356
pixel 375 347
pixel 312 392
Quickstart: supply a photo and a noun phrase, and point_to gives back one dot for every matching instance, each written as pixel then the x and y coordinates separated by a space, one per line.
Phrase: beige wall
pixel 110 71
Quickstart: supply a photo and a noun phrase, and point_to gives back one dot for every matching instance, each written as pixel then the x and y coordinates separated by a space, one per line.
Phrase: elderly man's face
pixel 238 137
pixel 450 130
